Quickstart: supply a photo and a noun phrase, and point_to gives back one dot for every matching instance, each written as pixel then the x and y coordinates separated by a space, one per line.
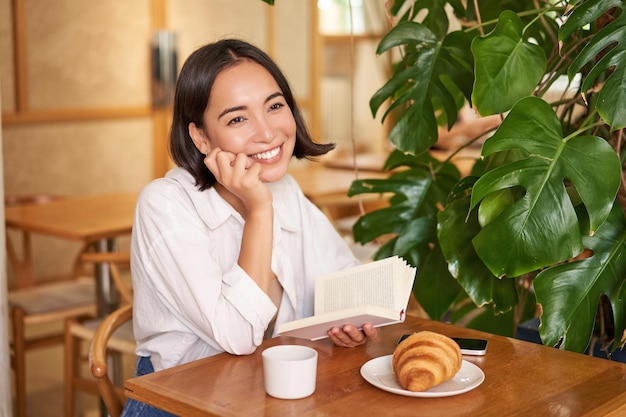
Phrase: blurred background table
pixel 321 182
pixel 327 188
pixel 370 163
pixel 97 219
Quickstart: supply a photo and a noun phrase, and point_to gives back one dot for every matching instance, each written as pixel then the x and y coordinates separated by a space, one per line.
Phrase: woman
pixel 226 246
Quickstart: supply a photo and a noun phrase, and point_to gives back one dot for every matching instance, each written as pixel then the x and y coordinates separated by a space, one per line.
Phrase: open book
pixel 376 292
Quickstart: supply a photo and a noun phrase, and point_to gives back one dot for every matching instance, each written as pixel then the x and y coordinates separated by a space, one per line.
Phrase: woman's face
pixel 248 114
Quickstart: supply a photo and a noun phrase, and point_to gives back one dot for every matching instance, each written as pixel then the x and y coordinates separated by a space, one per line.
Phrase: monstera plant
pixel 538 227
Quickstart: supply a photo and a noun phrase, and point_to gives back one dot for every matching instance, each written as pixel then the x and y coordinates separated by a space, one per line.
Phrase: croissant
pixel 426 359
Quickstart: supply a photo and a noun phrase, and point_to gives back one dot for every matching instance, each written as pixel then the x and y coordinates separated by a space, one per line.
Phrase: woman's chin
pixel 274 174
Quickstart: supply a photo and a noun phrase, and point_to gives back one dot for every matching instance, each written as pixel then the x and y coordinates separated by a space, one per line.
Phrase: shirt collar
pixel 284 201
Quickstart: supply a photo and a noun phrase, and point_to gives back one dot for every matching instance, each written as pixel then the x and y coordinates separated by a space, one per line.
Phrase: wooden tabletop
pixel 84 218
pixel 366 161
pixel 373 162
pixel 324 185
pixel 521 378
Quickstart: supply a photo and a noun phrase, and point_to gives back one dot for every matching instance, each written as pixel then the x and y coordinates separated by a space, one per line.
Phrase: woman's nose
pixel 264 131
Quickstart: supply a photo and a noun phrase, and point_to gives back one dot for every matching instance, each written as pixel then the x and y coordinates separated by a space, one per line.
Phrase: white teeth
pixel 266 155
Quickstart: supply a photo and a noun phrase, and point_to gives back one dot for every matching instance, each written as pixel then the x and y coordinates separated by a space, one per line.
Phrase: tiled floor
pixel 45 385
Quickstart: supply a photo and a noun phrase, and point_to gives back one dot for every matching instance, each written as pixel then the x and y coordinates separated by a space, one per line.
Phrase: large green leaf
pixel 541 228
pixel 435 16
pixel 585 13
pixel 431 13
pixel 455 231
pixel 606 51
pixel 428 78
pixel 411 219
pixel 505 324
pixel 435 289
pixel 412 212
pixel 569 293
pixel 507 67
pixel 414 37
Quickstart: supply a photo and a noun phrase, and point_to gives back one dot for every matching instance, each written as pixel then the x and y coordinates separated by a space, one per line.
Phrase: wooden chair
pixel 31 303
pixel 112 395
pixel 83 331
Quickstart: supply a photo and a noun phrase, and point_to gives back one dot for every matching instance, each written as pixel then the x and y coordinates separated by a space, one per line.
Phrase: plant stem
pixel 540 11
pixel 478 19
pixel 583 129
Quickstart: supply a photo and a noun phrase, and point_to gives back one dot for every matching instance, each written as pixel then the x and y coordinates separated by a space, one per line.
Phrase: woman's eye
pixel 235 120
pixel 276 106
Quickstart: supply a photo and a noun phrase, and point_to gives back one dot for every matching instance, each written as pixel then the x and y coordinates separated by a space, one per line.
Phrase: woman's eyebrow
pixel 230 110
pixel 238 108
pixel 273 96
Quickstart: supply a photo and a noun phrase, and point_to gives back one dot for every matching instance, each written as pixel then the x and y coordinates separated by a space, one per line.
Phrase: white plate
pixel 379 372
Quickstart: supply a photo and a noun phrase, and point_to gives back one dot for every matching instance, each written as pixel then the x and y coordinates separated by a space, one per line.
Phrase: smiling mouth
pixel 267 155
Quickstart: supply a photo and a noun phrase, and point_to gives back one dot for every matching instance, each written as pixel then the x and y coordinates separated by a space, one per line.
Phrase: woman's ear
pixel 199 138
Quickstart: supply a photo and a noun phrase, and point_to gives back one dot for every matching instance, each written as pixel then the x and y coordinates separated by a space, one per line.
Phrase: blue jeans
pixel 134 408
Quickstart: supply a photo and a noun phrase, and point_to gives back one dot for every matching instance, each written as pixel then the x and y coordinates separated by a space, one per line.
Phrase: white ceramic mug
pixel 290 371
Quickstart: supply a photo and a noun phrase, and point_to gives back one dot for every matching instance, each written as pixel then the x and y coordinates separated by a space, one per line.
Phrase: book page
pixel 383 283
pixel 372 287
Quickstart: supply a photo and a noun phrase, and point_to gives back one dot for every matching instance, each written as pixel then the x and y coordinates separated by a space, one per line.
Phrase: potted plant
pixel 539 224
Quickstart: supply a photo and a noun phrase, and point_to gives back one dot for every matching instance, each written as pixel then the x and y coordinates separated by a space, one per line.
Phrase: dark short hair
pixel 191 99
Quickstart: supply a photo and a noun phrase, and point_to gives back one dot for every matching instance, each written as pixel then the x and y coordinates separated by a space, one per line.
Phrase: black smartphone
pixel 469 346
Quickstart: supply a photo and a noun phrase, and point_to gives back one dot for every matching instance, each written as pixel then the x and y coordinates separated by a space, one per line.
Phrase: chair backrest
pixel 114 261
pixel 112 395
pixel 21 261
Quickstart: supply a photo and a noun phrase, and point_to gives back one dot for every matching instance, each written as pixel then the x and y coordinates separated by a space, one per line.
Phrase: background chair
pixel 79 331
pixel 31 303
pixel 103 340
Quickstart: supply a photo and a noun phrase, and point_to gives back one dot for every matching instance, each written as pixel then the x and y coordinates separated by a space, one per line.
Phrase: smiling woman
pixel 76 102
pixel 226 246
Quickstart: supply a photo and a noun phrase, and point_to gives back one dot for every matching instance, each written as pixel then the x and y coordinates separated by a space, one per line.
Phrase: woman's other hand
pixel 350 336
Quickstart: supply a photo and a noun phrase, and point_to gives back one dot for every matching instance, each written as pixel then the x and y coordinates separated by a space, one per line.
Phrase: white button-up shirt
pixel 191 299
